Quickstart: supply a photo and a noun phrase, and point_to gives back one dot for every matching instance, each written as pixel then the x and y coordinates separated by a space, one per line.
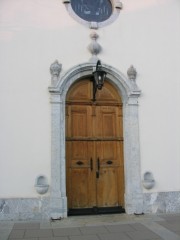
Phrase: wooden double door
pixel 94 148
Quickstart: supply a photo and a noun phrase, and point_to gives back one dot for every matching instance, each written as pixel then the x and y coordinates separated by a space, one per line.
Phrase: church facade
pixel 89 107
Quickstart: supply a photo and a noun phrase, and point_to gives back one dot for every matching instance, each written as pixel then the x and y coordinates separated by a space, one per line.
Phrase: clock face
pixel 92 10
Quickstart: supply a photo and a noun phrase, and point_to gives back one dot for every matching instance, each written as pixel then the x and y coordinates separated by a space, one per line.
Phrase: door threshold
pixel 95 211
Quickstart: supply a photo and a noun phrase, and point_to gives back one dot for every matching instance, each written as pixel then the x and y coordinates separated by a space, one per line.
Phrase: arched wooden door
pixel 94 149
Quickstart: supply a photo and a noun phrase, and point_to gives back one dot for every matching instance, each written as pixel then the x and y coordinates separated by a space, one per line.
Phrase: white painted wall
pixel 33 33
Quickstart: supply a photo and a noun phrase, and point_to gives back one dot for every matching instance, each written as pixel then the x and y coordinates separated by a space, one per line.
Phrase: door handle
pixel 98 164
pixel 91 164
pixel 98 168
pixel 97 174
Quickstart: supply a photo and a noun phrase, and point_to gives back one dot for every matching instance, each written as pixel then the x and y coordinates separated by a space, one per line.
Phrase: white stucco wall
pixel 33 33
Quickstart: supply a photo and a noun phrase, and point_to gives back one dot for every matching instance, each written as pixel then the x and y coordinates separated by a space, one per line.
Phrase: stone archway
pixel 129 92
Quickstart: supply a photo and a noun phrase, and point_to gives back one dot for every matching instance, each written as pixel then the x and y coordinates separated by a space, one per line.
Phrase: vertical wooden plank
pixel 107 183
pixel 110 184
pixel 79 152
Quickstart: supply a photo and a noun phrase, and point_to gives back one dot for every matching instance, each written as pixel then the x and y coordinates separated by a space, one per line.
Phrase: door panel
pixel 80 122
pixel 94 148
pixel 80 176
pixel 109 164
pixel 107 187
pixel 79 187
pixel 105 121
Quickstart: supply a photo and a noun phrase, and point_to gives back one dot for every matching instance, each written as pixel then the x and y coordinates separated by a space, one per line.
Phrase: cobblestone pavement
pixel 99 227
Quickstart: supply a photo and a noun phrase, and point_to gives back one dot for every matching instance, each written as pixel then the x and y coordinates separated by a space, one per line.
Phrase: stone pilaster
pixel 58 200
pixel 133 188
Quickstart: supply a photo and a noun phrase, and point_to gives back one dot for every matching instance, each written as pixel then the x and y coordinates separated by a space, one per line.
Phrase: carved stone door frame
pixel 129 93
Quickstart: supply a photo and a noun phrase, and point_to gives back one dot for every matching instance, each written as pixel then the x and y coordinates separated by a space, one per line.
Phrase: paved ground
pixel 100 227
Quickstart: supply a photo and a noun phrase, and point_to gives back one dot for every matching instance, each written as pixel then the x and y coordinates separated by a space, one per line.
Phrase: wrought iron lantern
pixel 98 79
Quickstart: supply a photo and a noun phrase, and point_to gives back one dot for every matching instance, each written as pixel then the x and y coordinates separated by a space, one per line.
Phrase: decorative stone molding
pixel 55 70
pixel 118 5
pixel 131 72
pixel 129 93
pixel 94 47
pixel 93 25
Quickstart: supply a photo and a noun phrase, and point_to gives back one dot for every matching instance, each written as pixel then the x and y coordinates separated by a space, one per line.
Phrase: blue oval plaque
pixel 92 10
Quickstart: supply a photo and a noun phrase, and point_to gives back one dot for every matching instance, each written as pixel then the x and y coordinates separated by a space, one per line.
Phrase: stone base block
pixel 46 208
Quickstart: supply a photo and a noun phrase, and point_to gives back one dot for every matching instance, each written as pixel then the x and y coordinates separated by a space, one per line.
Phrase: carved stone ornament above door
pixel 94 13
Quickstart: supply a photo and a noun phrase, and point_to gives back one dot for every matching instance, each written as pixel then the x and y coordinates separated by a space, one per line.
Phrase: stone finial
pixel 94 47
pixel 55 70
pixel 131 72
